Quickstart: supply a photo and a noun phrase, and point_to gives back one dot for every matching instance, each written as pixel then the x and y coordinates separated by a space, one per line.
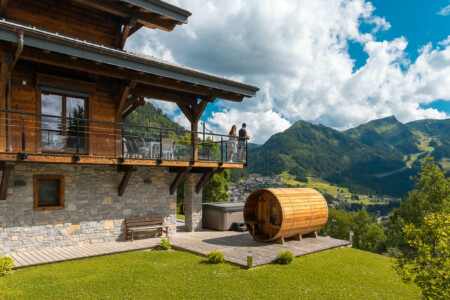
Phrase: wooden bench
pixel 146 224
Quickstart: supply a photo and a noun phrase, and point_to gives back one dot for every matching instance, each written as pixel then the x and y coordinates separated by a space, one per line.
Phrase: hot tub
pixel 221 215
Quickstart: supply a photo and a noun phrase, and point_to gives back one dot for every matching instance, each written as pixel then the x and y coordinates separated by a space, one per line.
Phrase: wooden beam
pixel 130 101
pixel 176 182
pixel 134 29
pixel 149 20
pixel 101 160
pixel 123 96
pixel 6 167
pixel 109 71
pixel 203 181
pixel 126 177
pixel 186 109
pixel 125 33
pixel 3 5
pixel 141 102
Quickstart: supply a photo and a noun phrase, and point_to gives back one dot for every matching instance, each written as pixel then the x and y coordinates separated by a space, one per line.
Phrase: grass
pixel 341 273
pixel 180 217
pixel 321 185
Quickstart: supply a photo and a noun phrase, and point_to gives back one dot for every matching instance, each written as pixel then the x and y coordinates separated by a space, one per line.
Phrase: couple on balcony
pixel 237 144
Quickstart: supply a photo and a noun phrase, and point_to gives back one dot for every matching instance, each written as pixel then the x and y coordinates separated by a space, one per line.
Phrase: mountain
pixel 434 135
pixel 316 150
pixel 386 134
pixel 149 115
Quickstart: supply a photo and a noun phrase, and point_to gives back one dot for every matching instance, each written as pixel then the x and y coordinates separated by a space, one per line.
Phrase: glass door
pixel 63 134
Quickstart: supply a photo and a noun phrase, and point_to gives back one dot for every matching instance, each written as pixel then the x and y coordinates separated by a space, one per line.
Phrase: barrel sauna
pixel 276 214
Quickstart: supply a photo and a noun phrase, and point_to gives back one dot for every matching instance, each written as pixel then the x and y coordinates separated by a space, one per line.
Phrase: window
pixel 48 192
pixel 60 134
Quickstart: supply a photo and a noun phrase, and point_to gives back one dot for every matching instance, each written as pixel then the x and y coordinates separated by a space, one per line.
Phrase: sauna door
pixel 263 215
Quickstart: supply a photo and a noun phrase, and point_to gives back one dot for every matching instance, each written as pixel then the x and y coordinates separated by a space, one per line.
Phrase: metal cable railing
pixel 28 133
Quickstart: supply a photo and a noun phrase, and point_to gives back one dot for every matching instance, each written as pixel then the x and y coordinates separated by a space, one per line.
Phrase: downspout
pixel 9 88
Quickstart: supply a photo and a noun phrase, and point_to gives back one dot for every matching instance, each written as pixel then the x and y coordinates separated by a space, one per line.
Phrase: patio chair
pixel 126 148
pixel 144 149
pixel 135 148
pixel 168 147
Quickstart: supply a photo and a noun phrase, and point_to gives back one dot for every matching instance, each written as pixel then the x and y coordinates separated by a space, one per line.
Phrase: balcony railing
pixel 25 133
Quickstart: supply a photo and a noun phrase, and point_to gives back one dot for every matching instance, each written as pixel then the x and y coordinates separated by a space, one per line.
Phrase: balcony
pixel 73 139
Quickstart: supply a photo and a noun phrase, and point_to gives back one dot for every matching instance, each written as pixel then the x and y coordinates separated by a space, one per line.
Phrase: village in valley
pixel 241 190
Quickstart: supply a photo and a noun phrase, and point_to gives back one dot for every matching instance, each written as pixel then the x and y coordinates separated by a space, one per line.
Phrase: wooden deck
pixel 236 245
pixel 32 258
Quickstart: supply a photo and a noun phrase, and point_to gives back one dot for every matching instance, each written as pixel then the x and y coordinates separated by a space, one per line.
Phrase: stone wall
pixel 93 211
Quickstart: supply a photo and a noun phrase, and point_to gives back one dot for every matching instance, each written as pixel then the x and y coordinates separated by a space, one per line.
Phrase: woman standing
pixel 232 143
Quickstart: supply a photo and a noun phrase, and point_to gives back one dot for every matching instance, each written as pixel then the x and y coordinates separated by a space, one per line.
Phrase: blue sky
pixel 339 63
pixel 419 22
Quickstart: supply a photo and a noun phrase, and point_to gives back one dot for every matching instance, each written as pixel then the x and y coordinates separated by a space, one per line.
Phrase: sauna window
pixel 64 125
pixel 48 192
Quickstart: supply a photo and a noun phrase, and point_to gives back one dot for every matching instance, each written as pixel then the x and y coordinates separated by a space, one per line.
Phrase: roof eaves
pixel 70 46
pixel 163 8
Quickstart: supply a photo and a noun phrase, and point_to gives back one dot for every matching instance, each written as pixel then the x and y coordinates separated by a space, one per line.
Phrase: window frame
pixel 36 179
pixel 76 86
pixel 64 126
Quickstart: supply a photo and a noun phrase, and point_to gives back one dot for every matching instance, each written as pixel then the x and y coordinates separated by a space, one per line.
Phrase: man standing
pixel 243 137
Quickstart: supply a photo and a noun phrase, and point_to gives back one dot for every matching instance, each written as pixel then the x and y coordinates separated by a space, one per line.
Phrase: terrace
pixel 74 139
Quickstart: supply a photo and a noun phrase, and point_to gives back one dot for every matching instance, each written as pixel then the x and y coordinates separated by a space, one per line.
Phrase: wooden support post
pixel 126 177
pixel 6 167
pixel 176 182
pixel 203 181
pixel 297 237
pixel 193 112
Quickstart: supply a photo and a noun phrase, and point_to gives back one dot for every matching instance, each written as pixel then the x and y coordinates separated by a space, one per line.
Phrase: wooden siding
pixel 26 98
pixel 65 17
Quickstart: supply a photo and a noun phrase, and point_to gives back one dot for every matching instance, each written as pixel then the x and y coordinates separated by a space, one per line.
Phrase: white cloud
pixel 445 11
pixel 297 53
pixel 260 125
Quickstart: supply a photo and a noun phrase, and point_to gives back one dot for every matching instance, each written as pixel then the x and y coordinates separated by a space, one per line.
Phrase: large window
pixel 63 134
pixel 48 192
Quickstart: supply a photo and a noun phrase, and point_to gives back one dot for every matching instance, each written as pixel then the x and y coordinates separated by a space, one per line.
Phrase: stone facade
pixel 93 210
pixel 192 204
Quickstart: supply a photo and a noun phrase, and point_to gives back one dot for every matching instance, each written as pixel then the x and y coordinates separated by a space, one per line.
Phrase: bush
pixel 284 258
pixel 6 265
pixel 215 257
pixel 165 245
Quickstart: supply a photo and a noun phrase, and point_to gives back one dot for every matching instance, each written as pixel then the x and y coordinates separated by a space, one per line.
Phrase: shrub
pixel 284 257
pixel 6 265
pixel 165 245
pixel 215 257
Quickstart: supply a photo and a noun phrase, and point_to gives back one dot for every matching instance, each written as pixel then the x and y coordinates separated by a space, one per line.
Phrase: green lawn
pixel 180 217
pixel 342 273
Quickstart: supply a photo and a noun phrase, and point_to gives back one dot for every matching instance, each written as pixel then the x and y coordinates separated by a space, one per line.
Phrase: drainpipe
pixel 8 95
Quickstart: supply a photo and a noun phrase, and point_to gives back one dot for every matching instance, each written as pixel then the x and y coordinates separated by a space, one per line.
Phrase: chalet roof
pixel 162 8
pixel 54 42
pixel 149 13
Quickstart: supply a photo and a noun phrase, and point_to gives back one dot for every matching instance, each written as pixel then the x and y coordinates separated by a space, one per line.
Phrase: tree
pixel 429 268
pixel 368 235
pixel 431 195
pixel 339 224
pixel 217 187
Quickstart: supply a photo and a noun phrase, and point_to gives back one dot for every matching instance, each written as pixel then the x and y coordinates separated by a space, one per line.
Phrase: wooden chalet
pixel 68 156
